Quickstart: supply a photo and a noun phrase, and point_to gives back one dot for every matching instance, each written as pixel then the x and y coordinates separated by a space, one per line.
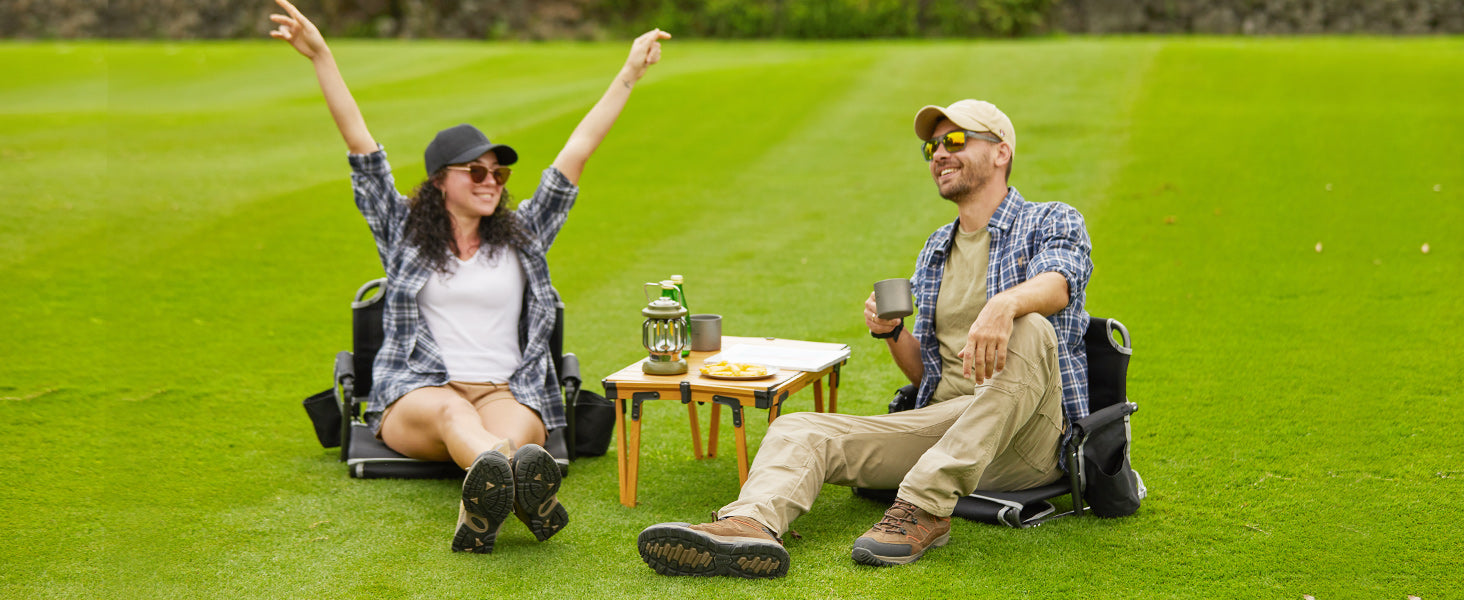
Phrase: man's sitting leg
pixel 800 452
pixel 1005 437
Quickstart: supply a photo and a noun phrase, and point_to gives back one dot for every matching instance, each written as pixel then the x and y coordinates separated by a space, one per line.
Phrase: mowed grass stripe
pixel 196 333
pixel 1298 400
pixel 221 257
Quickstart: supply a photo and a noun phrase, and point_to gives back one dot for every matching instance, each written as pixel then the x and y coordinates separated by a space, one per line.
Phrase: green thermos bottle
pixel 677 281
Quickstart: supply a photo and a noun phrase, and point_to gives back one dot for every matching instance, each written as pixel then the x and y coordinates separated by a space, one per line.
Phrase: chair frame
pixel 368 457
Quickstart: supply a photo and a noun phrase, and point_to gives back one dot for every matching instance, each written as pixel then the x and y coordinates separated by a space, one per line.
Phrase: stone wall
pixel 582 19
pixel 211 19
pixel 1261 17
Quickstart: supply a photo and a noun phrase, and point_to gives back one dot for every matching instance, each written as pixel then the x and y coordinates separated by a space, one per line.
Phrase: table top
pixel 632 375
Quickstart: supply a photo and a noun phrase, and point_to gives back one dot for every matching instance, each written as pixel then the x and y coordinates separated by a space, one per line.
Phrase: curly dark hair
pixel 429 227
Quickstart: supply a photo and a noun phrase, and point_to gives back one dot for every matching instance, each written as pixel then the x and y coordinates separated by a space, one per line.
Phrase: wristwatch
pixel 891 334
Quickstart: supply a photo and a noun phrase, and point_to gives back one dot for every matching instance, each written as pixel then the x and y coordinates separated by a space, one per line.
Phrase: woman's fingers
pixel 286 29
pixel 296 21
pixel 296 29
pixel 287 25
pixel 648 46
pixel 654 35
pixel 290 8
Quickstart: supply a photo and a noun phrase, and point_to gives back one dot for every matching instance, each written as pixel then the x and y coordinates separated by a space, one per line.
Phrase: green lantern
pixel 664 333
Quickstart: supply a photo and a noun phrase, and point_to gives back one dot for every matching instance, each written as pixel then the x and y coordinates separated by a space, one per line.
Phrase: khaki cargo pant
pixel 1003 437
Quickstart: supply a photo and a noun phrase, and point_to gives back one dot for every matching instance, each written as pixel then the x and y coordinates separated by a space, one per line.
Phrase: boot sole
pixel 487 500
pixel 673 549
pixel 536 482
pixel 866 556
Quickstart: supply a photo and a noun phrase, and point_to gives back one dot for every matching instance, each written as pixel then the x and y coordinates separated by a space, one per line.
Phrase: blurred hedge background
pixel 813 19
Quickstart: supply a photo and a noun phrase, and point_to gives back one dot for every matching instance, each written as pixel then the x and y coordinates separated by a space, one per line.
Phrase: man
pixel 998 382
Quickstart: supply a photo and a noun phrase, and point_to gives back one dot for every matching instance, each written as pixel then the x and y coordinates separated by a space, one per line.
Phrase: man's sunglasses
pixel 479 173
pixel 954 142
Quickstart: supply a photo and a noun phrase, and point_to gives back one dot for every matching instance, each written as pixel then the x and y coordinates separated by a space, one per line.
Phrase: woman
pixel 464 373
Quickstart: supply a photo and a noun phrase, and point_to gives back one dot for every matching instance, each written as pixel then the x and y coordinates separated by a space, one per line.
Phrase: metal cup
pixel 706 332
pixel 892 299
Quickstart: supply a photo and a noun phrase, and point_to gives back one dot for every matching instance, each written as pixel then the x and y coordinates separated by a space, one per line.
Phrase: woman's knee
pixel 508 418
pixel 418 423
pixel 427 408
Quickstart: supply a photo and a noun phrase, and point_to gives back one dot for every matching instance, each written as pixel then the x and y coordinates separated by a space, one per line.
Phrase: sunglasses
pixel 954 142
pixel 479 173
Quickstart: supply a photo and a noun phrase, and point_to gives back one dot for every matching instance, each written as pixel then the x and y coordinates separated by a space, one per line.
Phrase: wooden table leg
pixel 712 430
pixel 634 468
pixel 621 456
pixel 695 430
pixel 818 395
pixel 741 455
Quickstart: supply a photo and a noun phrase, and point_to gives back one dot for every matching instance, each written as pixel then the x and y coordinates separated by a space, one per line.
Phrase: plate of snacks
pixel 733 370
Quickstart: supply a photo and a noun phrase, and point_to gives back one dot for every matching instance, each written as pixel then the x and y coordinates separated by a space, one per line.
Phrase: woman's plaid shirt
pixel 409 357
pixel 1027 239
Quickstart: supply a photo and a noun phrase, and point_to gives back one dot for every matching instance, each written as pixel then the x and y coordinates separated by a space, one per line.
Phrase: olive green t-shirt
pixel 962 295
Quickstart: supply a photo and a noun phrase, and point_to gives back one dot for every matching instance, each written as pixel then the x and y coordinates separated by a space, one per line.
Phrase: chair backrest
pixel 1108 360
pixel 367 332
pixel 556 335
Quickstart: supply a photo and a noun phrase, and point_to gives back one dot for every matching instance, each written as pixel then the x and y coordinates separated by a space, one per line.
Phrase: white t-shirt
pixel 473 314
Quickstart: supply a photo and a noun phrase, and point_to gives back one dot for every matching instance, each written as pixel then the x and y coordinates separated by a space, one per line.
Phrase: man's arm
pixel 905 349
pixel 986 344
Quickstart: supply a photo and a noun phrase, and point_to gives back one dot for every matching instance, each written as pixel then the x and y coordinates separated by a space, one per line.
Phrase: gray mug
pixel 706 333
pixel 892 299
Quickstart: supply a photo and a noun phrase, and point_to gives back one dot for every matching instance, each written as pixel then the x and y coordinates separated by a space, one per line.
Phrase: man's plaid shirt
pixel 409 357
pixel 1027 239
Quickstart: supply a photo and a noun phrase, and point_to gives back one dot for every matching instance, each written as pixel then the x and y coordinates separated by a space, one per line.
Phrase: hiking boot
pixel 487 500
pixel 902 536
pixel 536 480
pixel 732 546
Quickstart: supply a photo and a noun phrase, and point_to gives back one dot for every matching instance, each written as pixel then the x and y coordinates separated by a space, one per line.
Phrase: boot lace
pixel 901 513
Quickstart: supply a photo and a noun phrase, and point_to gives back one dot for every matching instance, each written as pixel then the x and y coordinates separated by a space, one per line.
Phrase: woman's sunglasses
pixel 954 142
pixel 479 173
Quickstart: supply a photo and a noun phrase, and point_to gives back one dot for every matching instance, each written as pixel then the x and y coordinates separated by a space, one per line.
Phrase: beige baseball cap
pixel 973 115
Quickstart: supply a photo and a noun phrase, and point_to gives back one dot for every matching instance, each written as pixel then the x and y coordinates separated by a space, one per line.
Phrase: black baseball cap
pixel 463 143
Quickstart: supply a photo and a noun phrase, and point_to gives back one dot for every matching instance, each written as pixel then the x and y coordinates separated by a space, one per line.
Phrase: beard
pixel 973 180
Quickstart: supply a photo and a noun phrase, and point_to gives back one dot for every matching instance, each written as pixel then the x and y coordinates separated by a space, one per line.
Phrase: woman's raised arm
pixel 306 39
pixel 644 52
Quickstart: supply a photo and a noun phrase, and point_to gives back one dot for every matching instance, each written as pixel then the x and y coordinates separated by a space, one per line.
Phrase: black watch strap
pixel 891 334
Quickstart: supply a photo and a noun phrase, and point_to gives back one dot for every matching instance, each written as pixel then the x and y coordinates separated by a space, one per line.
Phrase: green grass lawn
pixel 178 248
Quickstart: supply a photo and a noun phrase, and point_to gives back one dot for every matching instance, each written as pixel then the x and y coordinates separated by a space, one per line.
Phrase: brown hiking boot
pixel 902 536
pixel 733 546
pixel 536 481
pixel 487 500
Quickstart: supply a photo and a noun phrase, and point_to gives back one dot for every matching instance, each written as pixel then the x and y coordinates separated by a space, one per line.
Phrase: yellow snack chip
pixel 723 368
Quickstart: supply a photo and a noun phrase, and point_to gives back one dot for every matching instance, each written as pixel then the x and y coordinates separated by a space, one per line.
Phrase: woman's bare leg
pixel 504 418
pixel 437 423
